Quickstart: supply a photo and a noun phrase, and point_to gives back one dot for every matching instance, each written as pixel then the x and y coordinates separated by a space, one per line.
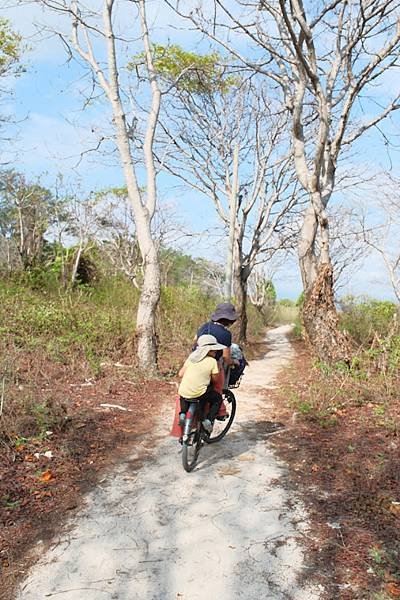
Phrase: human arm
pixel 182 370
pixel 215 373
pixel 215 378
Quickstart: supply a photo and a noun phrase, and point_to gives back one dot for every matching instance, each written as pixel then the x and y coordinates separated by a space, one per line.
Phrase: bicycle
pixel 194 434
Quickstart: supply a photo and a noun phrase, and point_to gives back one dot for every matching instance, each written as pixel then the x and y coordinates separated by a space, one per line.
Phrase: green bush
pixel 300 300
pixel 286 314
pixel 83 327
pixel 364 318
pixel 67 325
pixel 286 302
pixel 181 311
pixel 257 321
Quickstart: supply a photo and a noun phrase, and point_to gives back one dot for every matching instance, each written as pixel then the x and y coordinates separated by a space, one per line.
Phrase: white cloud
pixel 52 145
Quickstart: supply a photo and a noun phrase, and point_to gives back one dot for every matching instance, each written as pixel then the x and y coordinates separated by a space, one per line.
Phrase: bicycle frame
pixel 192 416
pixel 194 436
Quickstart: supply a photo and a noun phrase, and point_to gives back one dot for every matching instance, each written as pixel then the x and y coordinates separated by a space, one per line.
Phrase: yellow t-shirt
pixel 197 377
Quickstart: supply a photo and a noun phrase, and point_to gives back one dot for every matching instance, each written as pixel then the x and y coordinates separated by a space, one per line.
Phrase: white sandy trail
pixel 222 532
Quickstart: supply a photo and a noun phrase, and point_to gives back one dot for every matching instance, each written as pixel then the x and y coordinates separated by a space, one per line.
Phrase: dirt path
pixel 153 532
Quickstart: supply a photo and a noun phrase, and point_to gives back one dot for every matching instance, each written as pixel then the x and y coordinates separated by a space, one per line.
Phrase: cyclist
pixel 222 318
pixel 199 373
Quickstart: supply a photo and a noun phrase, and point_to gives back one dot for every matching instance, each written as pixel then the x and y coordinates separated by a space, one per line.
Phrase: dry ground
pixel 39 492
pixel 345 467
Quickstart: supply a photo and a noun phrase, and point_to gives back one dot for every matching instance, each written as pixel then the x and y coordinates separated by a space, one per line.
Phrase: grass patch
pixel 54 334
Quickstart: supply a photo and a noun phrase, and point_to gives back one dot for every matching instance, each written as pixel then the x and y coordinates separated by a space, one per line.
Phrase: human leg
pixel 184 408
pixel 213 399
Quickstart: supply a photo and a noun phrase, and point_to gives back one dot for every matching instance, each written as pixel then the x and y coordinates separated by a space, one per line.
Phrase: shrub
pixel 365 318
pixel 300 300
pixel 286 302
pixel 286 314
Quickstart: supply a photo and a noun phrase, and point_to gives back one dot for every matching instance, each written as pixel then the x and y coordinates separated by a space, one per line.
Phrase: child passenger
pixel 199 373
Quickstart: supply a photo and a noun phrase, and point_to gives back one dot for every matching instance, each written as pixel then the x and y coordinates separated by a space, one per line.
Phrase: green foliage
pixel 300 300
pixel 118 192
pixel 257 321
pixel 182 310
pixel 65 325
pixel 179 269
pixel 270 292
pixel 286 302
pixel 384 561
pixel 26 212
pixel 298 329
pixel 10 48
pixel 188 71
pixel 364 318
pixel 286 314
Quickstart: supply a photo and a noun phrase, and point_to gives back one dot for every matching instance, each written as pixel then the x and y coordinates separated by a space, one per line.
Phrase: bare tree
pixel 116 233
pixel 10 52
pixel 96 40
pixel 26 210
pixel 347 246
pixel 262 292
pixel 325 58
pixel 229 145
pixel 83 226
pixel 381 231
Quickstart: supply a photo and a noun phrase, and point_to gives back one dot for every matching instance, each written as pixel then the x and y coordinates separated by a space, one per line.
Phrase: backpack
pixel 236 372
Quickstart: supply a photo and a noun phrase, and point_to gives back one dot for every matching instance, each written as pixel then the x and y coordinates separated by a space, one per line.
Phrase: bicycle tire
pixel 217 435
pixel 190 449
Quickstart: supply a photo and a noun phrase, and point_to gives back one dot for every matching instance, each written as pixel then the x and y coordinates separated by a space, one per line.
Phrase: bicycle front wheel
pixel 190 450
pixel 221 428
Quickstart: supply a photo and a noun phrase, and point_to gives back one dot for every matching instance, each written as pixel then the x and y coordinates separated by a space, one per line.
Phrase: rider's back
pixel 220 332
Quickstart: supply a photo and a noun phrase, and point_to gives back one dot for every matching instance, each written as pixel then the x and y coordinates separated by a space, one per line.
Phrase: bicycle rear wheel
pixel 221 428
pixel 191 448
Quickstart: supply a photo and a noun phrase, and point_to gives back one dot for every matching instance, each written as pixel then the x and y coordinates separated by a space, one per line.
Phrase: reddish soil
pixel 346 470
pixel 38 493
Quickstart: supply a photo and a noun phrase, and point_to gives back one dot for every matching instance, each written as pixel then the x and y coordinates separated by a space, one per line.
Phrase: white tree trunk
pixel 76 265
pixel 233 199
pixel 150 295
pixel 306 244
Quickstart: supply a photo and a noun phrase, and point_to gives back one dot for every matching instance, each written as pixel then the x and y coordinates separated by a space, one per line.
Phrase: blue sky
pixel 53 130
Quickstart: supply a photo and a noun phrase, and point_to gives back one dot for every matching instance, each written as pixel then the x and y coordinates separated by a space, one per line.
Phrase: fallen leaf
pixel 46 476
pixel 228 471
pixel 395 508
pixel 393 589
